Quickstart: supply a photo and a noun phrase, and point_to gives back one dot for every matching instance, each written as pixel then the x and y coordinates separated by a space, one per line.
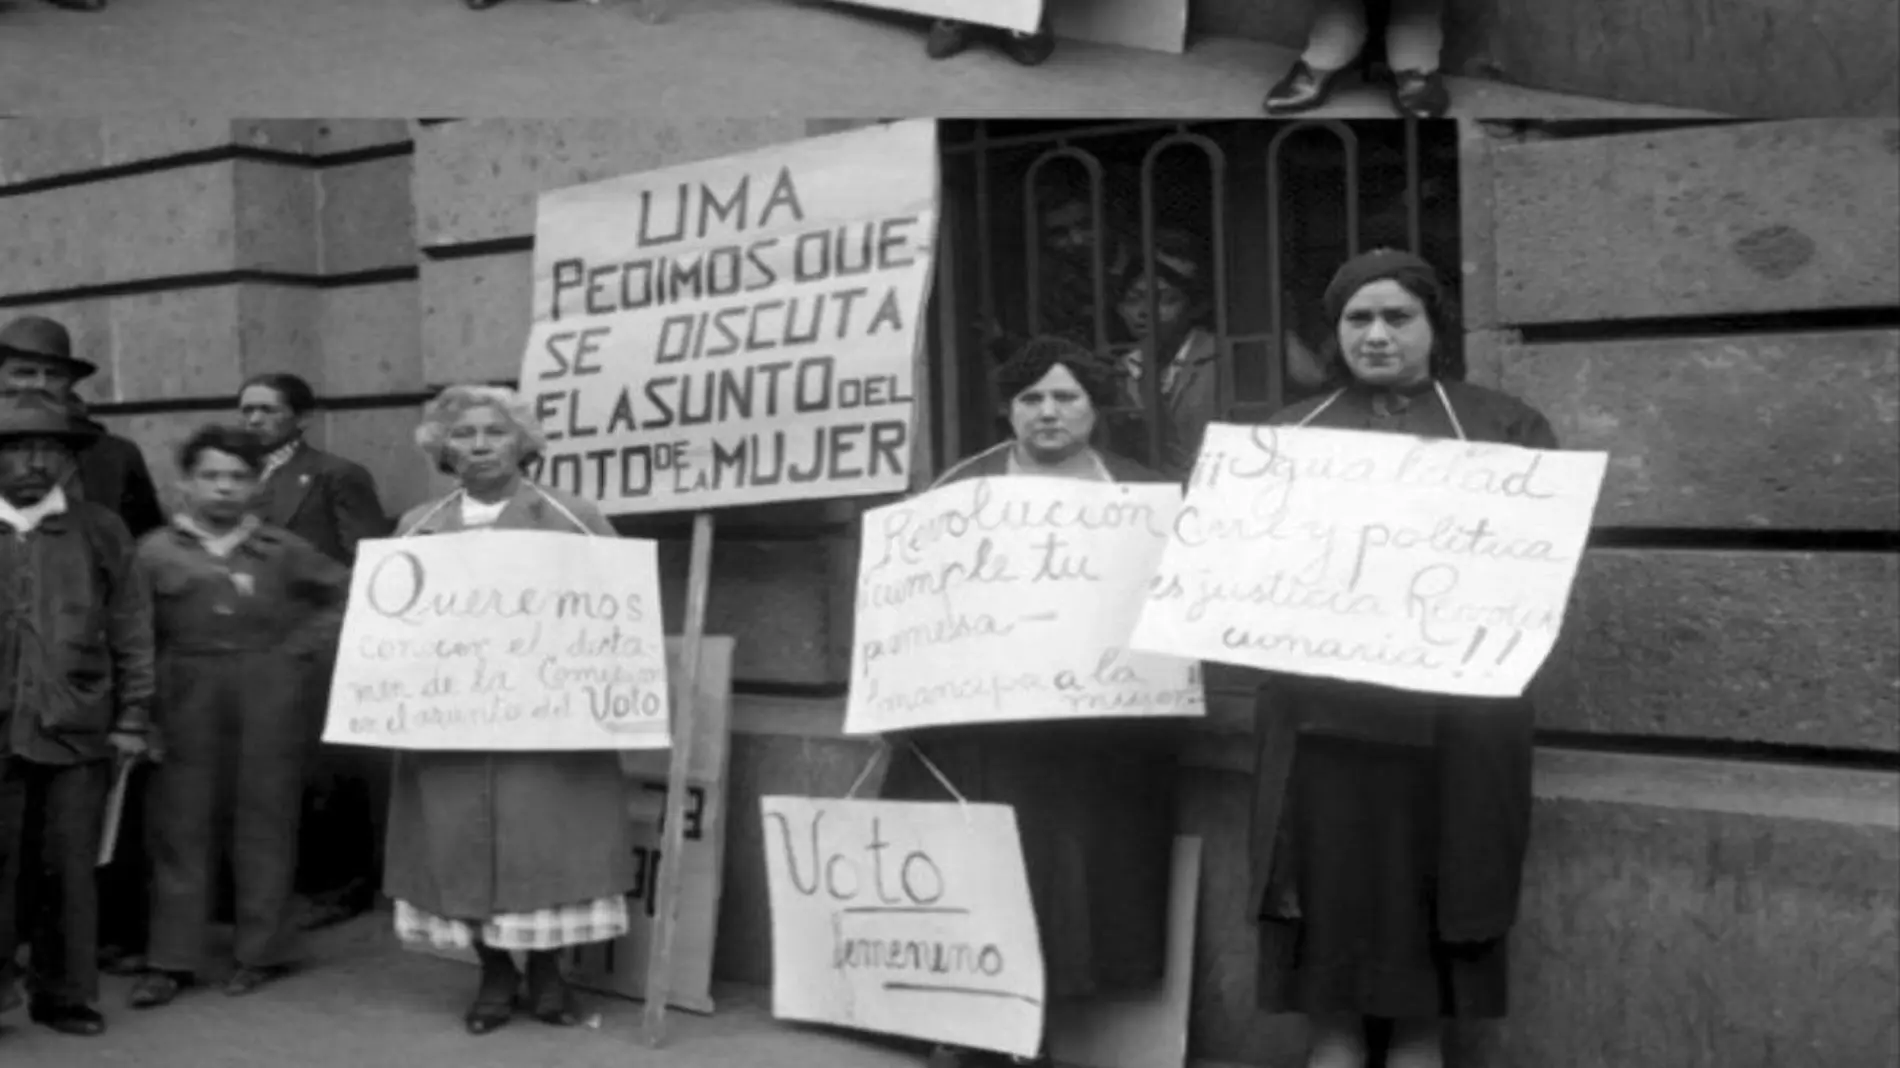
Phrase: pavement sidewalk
pixel 367 1003
pixel 349 58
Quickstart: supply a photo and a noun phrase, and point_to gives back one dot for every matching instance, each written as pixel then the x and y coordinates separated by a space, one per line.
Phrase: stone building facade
pixel 1715 872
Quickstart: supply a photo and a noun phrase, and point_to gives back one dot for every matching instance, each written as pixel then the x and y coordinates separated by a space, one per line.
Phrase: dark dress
pixel 1094 805
pixel 1389 826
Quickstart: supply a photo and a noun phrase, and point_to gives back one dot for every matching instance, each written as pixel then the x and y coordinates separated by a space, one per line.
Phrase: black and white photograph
pixel 509 519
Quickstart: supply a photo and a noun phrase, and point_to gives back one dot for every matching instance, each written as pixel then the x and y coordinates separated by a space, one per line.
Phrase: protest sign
pixel 502 640
pixel 737 331
pixel 993 599
pixel 905 917
pixel 620 966
pixel 1425 564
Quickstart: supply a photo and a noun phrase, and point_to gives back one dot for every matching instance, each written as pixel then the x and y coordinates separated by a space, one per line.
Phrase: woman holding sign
pixel 508 851
pixel 1094 801
pixel 1390 826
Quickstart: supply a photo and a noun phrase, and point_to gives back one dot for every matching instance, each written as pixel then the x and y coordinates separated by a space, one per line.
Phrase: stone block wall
pixel 185 255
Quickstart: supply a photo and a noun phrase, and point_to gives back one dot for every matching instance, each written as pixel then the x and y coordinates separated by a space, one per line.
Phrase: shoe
pixel 156 989
pixel 550 999
pixel 494 1002
pixel 247 979
pixel 947 38
pixel 114 961
pixel 1030 49
pixel 1420 94
pixel 81 1020
pixel 79 5
pixel 481 5
pixel 1302 89
pixel 957 1057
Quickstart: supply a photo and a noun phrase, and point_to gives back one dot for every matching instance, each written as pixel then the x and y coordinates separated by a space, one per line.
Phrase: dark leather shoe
pixel 1420 94
pixel 1030 49
pixel 79 5
pixel 481 5
pixel 155 989
pixel 550 999
pixel 81 1020
pixel 494 1002
pixel 114 961
pixel 1303 89
pixel 247 979
pixel 948 37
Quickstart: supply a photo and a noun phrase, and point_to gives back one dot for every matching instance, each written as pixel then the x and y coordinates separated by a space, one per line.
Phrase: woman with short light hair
pixel 505 852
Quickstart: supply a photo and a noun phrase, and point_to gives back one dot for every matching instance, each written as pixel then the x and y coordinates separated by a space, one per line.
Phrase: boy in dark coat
pixel 242 609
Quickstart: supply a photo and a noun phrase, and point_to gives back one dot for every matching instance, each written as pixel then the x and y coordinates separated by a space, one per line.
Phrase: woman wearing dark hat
pixel 1389 826
pixel 1094 801
pixel 1414 36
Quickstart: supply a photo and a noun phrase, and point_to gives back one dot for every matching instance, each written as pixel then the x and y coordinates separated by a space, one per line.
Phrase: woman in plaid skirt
pixel 513 851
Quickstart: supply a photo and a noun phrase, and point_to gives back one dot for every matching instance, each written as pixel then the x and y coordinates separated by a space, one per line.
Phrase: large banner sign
pixel 738 331
pixel 503 639
pixel 1433 565
pixel 1011 599
pixel 904 917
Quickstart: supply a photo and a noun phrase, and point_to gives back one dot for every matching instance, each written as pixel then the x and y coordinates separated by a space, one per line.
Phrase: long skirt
pixel 1364 825
pixel 600 920
pixel 1095 810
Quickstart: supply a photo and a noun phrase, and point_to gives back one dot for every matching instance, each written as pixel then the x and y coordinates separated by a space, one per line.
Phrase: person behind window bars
pixel 1414 36
pixel 1066 305
pixel 505 851
pixel 1389 826
pixel 1094 801
pixel 1187 352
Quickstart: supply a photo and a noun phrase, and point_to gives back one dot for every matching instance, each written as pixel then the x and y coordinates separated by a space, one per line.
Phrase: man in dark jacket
pixel 76 686
pixel 331 503
pixel 36 353
pixel 36 356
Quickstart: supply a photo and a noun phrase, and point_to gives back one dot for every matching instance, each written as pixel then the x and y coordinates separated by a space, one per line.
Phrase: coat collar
pixel 288 485
pixel 522 512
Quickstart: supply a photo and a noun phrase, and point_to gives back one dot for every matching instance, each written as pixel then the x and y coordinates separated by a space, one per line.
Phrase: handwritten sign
pixel 904 917
pixel 502 640
pixel 1423 564
pixel 1012 599
pixel 737 331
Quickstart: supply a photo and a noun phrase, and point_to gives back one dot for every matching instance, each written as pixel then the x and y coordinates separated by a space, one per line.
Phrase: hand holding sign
pixel 502 640
pixel 1434 565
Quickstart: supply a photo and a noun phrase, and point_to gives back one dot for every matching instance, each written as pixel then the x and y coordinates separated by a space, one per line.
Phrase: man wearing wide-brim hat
pixel 76 686
pixel 36 353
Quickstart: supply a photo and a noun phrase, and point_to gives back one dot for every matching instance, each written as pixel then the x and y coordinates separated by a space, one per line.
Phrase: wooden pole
pixel 659 984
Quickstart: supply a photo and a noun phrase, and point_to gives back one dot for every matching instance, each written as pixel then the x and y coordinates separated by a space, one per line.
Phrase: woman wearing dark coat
pixel 1389 826
pixel 511 851
pixel 1094 801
